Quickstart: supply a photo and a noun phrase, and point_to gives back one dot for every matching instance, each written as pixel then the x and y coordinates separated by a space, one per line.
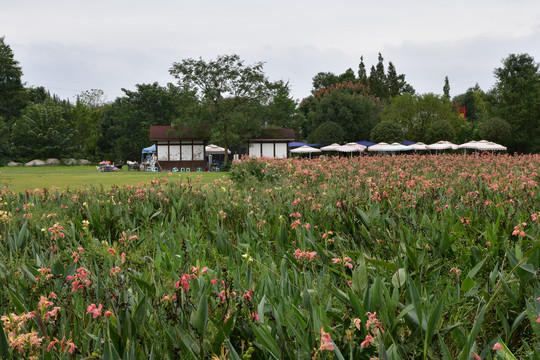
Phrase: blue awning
pixel 408 142
pixel 365 143
pixel 149 150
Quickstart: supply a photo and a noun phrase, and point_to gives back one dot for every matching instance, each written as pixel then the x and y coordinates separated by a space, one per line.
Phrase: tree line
pixel 233 101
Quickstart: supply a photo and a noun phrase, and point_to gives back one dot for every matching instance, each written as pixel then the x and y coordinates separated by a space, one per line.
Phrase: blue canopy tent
pixel 148 150
pixel 365 143
pixel 295 144
pixel 408 142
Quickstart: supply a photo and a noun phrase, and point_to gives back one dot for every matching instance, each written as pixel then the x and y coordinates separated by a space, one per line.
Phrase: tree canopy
pixel 417 113
pixel 13 95
pixel 345 104
pixel 517 93
pixel 231 96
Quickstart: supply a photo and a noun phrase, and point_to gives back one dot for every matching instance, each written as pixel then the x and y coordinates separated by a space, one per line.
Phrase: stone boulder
pixel 13 163
pixel 83 162
pixel 70 161
pixel 52 162
pixel 35 162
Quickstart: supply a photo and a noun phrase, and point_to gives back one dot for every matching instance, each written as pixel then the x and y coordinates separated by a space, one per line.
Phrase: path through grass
pixel 77 177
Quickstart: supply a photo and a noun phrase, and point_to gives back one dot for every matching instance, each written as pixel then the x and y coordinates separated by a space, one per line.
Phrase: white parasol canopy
pixel 469 145
pixel 305 149
pixel 394 147
pixel 332 147
pixel 483 145
pixel 418 146
pixel 376 147
pixel 214 149
pixel 491 146
pixel 351 147
pixel 442 145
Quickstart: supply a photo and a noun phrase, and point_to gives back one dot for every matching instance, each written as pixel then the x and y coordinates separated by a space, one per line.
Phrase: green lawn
pixel 76 177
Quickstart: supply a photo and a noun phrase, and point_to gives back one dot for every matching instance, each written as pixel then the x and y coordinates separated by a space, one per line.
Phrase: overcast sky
pixel 69 46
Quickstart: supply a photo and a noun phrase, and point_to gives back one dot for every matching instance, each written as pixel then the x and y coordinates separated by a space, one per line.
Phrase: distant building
pixel 271 143
pixel 181 148
pixel 184 148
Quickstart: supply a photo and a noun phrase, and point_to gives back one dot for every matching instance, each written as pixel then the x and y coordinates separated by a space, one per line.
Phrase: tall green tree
pixel 230 94
pixel 347 105
pixel 126 122
pixel 281 111
pixel 417 113
pixel 324 80
pixel 393 81
pixel 13 96
pixel 517 93
pixel 446 88
pixel 362 73
pixel 477 104
pixel 377 80
pixel 42 131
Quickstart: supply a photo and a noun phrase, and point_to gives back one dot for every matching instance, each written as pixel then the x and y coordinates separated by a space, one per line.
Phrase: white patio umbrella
pixel 418 146
pixel 469 145
pixel 442 145
pixel 331 147
pixel 350 148
pixel 394 147
pixel 214 149
pixel 377 146
pixel 305 150
pixel 491 146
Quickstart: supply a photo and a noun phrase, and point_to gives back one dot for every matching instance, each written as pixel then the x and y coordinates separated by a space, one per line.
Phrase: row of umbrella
pixel 482 145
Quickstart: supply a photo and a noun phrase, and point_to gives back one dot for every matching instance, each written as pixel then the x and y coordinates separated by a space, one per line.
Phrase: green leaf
pixel 472 335
pixel 415 297
pixel 222 334
pixel 467 284
pixel 433 322
pixel 266 340
pixel 201 317
pixel 477 268
pixel 145 286
pixel 4 347
pixel 399 278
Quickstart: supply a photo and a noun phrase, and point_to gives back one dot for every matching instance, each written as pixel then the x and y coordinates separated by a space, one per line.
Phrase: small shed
pixel 180 148
pixel 271 143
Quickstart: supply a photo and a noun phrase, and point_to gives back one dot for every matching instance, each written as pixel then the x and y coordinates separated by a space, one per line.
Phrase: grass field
pixel 19 179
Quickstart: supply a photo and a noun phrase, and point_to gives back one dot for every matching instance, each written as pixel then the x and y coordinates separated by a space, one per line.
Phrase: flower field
pixel 394 257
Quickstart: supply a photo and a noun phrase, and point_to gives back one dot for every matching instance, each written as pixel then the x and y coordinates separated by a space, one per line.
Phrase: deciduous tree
pixel 229 92
pixel 517 92
pixel 416 113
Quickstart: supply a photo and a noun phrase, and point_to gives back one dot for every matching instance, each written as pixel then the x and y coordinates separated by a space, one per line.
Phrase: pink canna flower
pixel 368 341
pixel 326 341
pixel 497 346
pixel 255 316
pixel 94 311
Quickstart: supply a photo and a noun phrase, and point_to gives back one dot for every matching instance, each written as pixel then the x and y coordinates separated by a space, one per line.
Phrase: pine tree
pixel 362 75
pixel 377 80
pixel 392 81
pixel 446 88
pixel 12 92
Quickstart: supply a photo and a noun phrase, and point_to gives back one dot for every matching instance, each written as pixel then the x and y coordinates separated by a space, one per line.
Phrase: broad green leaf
pixel 467 284
pixel 266 340
pixel 201 317
pixel 433 323
pixel 477 268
